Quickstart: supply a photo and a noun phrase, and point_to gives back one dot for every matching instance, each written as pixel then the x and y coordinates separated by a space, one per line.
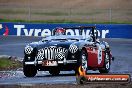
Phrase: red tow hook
pixel 112 58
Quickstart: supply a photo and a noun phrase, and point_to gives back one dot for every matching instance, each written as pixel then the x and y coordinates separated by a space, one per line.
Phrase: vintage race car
pixel 61 52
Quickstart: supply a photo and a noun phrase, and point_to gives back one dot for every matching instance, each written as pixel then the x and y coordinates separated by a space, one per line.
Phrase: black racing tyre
pixel 106 68
pixel 81 80
pixel 29 70
pixel 82 61
pixel 83 58
pixel 54 72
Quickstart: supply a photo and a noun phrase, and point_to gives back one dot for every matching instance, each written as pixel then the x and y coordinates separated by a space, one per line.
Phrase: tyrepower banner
pixel 31 29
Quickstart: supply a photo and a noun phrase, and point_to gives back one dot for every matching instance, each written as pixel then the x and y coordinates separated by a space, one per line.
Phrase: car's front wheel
pixel 106 68
pixel 83 58
pixel 29 70
pixel 83 61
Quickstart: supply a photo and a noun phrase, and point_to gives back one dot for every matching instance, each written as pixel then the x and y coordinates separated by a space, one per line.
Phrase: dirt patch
pixel 100 4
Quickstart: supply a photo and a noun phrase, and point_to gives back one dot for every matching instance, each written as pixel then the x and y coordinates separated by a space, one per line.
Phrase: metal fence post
pixel 110 15
pixel 29 11
pixel 29 14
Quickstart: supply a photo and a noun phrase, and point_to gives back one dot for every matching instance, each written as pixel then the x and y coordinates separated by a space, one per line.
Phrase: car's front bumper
pixel 63 66
pixel 59 62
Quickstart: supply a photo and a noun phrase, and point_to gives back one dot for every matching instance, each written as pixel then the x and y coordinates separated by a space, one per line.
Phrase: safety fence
pixel 66 14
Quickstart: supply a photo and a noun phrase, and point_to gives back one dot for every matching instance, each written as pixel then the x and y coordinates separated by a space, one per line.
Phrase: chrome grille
pixel 51 53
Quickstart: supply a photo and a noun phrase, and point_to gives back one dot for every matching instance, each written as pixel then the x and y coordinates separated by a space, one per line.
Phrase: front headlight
pixel 73 48
pixel 28 49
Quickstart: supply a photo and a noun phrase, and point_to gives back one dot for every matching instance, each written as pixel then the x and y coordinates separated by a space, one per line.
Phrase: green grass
pixel 62 21
pixel 9 11
pixel 7 64
pixel 66 13
pixel 51 13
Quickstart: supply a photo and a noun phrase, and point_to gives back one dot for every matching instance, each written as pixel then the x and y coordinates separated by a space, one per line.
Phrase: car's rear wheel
pixel 106 68
pixel 54 72
pixel 29 70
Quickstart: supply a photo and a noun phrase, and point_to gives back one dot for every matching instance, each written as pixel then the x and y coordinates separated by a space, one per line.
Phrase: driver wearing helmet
pixel 60 31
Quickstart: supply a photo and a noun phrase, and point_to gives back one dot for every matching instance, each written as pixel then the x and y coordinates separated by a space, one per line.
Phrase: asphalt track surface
pixel 14 46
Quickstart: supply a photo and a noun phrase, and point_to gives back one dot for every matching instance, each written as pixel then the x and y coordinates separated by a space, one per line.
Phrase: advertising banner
pixel 32 29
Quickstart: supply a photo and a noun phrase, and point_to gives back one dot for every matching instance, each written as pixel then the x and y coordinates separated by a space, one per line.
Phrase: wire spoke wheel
pixel 84 60
pixel 107 62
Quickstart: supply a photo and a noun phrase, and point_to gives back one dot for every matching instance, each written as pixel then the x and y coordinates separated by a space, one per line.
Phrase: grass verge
pixel 62 21
pixel 9 64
